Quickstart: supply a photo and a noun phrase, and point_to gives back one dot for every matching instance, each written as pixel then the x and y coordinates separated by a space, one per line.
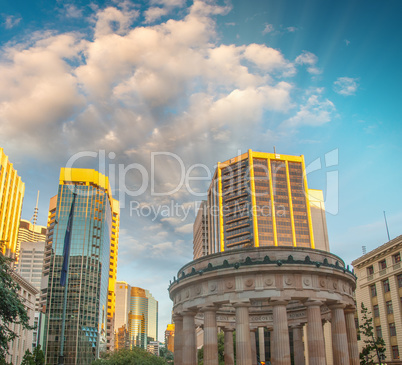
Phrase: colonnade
pixel 344 338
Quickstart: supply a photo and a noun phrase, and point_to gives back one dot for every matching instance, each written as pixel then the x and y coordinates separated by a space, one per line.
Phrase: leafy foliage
pixel 374 348
pixel 12 309
pixel 136 356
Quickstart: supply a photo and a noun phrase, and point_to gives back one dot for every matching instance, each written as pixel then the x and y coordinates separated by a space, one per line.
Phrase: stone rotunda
pixel 279 288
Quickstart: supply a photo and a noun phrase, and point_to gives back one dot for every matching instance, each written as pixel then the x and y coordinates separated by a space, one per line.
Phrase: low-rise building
pixel 379 288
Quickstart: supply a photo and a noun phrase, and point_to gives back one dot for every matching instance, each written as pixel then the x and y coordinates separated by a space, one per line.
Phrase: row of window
pixel 382 265
pixel 385 284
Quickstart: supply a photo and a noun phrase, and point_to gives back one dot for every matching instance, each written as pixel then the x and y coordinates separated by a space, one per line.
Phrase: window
pixel 395 353
pixel 376 311
pixel 373 291
pixel 389 307
pixel 396 258
pixel 392 329
pixel 378 331
pixel 382 264
pixel 399 278
pixel 385 284
pixel 370 270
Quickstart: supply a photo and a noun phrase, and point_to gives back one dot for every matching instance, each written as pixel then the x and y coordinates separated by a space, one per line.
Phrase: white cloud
pixel 187 228
pixel 154 13
pixel 268 28
pixel 314 112
pixel 11 21
pixel 346 85
pixel 292 29
pixel 309 59
pixel 72 11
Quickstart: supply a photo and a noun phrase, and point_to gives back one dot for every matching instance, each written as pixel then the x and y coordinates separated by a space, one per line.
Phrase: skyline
pixel 204 81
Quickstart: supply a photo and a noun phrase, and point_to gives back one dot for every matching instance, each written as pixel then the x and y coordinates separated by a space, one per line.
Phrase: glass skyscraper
pixel 89 267
pixel 136 316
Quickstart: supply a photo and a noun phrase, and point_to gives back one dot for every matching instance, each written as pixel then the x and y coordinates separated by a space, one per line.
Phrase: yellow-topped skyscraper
pixel 262 199
pixel 12 191
pixel 92 267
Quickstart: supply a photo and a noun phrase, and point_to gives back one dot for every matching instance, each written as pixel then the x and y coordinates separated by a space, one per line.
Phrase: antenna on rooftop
pixel 274 150
pixel 386 225
pixel 35 216
pixel 364 249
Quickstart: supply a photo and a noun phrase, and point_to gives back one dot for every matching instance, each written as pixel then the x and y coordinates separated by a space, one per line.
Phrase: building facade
pixel 29 232
pixel 262 199
pixel 12 191
pixel 90 266
pixel 200 232
pixel 136 311
pixel 30 267
pixel 23 342
pixel 379 288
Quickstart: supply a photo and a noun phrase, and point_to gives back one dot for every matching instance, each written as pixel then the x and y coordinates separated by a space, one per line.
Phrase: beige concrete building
pixel 24 340
pixel 379 287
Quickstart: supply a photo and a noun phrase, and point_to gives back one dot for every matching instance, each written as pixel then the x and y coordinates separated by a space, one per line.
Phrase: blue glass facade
pixel 86 314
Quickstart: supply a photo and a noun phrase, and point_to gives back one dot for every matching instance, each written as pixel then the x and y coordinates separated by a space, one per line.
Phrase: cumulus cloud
pixel 314 112
pixel 346 85
pixel 310 60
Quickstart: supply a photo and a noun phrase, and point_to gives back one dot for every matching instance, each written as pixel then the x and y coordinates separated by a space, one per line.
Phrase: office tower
pixel 88 294
pixel 11 196
pixel 200 232
pixel 30 232
pixel 30 267
pixel 379 288
pixel 136 311
pixel 152 317
pixel 262 199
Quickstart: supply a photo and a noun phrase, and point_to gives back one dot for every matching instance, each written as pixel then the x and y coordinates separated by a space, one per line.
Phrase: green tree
pixel 136 356
pixel 28 358
pixel 374 348
pixel 12 310
pixel 39 356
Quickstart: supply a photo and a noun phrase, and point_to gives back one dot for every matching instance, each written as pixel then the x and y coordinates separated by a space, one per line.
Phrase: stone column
pixel 352 336
pixel 281 348
pixel 178 338
pixel 261 343
pixel 315 335
pixel 298 346
pixel 188 340
pixel 253 346
pixel 339 336
pixel 210 336
pixel 243 346
pixel 228 347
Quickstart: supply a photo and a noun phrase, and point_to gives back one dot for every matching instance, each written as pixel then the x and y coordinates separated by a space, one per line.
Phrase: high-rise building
pixel 91 266
pixel 30 267
pixel 29 232
pixel 136 311
pixel 169 337
pixel 200 232
pixel 262 199
pixel 12 191
pixel 379 288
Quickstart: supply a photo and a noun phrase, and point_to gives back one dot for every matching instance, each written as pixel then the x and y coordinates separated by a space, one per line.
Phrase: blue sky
pixel 203 81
